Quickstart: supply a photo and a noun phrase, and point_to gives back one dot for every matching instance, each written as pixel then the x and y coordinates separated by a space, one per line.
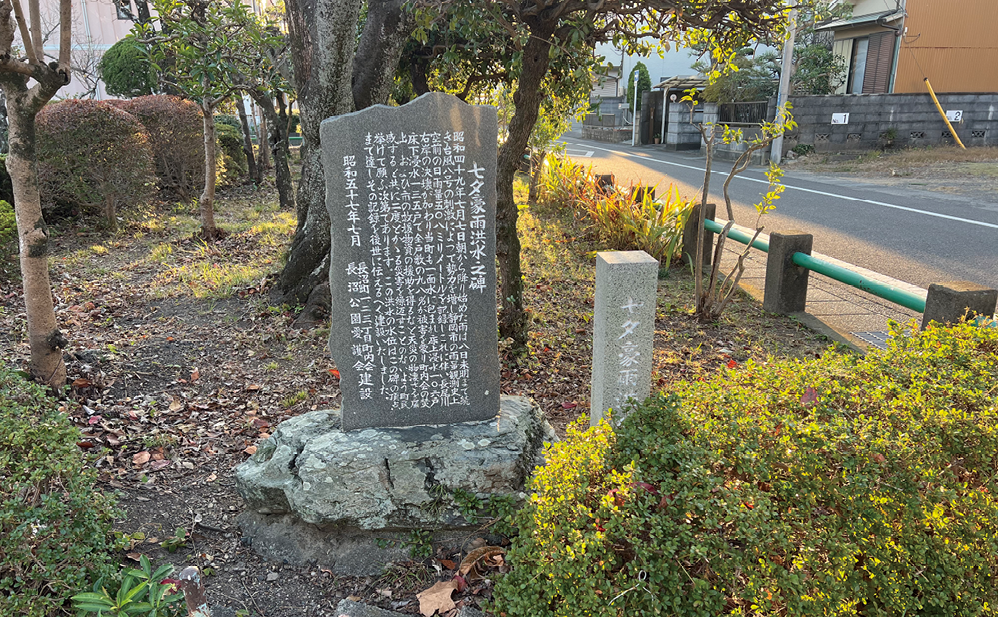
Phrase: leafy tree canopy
pixel 126 70
pixel 644 84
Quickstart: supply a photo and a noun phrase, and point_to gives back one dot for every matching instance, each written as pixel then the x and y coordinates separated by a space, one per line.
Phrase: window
pixel 857 65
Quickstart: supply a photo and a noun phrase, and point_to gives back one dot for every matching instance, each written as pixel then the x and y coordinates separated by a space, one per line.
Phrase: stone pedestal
pixel 314 491
pixel 950 302
pixel 623 330
pixel 691 235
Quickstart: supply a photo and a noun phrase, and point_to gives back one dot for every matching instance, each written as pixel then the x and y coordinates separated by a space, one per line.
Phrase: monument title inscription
pixel 411 195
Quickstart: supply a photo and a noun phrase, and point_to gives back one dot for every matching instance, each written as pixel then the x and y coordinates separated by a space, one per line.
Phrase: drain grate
pixel 877 339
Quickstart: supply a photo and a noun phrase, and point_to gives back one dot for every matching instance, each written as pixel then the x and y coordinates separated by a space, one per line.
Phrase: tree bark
pixel 386 31
pixel 527 101
pixel 46 341
pixel 322 37
pixel 255 172
pixel 263 133
pixel 537 164
pixel 207 202
pixel 277 142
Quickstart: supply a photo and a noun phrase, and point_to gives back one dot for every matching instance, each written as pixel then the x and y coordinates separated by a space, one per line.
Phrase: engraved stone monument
pixel 411 193
pixel 623 330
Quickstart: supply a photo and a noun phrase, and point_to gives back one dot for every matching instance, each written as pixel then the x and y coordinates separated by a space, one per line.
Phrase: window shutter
pixel 879 62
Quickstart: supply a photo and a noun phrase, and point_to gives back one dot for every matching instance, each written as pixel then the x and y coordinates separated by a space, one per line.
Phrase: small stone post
pixel 949 302
pixel 623 330
pixel 786 283
pixel 690 235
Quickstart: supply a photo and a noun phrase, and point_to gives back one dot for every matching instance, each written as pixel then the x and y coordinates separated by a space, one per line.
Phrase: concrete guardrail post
pixel 952 301
pixel 690 233
pixel 786 282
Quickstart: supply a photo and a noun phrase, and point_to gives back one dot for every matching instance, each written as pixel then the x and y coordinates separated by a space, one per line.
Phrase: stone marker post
pixel 786 282
pixel 952 301
pixel 623 330
pixel 411 194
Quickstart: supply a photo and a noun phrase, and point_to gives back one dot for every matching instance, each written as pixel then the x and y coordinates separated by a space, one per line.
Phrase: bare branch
pixel 36 28
pixel 65 33
pixel 22 25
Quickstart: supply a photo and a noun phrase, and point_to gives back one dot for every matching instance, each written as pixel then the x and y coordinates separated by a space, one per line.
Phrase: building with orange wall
pixel 892 45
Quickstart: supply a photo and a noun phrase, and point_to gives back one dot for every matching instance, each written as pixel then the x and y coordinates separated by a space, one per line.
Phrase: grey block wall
pixel 914 117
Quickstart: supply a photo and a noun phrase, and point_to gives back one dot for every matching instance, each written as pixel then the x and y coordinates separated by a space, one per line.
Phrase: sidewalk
pixel 839 311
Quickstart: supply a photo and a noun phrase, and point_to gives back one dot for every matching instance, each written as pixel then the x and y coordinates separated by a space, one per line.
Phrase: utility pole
pixel 776 154
pixel 634 129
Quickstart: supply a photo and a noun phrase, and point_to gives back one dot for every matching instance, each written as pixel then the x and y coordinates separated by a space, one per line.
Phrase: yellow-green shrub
pixel 55 527
pixel 838 486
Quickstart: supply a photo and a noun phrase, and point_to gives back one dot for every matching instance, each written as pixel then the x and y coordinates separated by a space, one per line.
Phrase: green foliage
pixel 747 76
pixel 8 224
pixel 803 149
pixel 839 486
pixel 126 70
pixel 818 70
pixel 177 540
pixel 175 129
pixel 230 147
pixel 228 120
pixel 619 222
pixel 644 84
pixel 92 155
pixel 141 593
pixel 55 528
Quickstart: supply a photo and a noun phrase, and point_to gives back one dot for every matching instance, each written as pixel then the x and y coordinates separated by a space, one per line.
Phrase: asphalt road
pixel 916 236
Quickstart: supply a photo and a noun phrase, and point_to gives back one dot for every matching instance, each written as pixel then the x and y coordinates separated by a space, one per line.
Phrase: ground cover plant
pixel 55 529
pixel 842 485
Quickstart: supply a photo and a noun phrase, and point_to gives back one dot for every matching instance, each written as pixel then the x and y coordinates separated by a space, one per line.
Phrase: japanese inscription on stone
pixel 623 330
pixel 411 198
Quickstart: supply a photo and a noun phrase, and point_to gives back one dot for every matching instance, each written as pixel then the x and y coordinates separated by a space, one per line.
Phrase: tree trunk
pixel 277 141
pixel 263 133
pixel 323 37
pixel 386 31
pixel 45 339
pixel 255 173
pixel 207 202
pixel 527 102
pixel 110 213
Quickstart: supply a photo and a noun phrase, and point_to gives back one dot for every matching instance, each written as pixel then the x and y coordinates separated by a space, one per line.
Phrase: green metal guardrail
pixel 843 275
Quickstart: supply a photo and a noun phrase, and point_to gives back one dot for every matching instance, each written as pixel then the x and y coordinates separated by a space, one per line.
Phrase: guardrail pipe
pixel 880 289
pixel 737 235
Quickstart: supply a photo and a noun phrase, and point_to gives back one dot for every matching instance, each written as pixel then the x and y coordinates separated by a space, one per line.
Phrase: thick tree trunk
pixel 322 34
pixel 386 31
pixel 46 340
pixel 207 202
pixel 255 173
pixel 527 102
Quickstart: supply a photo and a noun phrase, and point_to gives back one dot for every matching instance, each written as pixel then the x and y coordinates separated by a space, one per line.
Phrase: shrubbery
pixel 125 69
pixel 55 528
pixel 92 155
pixel 176 136
pixel 840 486
pixel 619 222
pixel 232 157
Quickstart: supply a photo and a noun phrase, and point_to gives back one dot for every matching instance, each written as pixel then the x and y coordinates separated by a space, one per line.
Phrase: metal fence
pixel 752 112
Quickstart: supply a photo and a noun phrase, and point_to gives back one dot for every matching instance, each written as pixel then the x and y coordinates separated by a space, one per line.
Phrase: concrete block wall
pixel 680 134
pixel 914 117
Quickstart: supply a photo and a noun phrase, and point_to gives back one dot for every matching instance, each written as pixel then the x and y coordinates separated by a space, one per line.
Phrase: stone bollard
pixel 690 235
pixel 623 330
pixel 786 283
pixel 951 302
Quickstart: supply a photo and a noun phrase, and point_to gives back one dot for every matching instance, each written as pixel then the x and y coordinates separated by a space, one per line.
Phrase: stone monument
pixel 623 330
pixel 411 194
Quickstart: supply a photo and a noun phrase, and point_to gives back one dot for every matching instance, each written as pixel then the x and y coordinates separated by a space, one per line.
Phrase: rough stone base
pixel 315 492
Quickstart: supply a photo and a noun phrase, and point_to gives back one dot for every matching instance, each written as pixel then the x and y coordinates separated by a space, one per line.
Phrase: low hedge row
pixel 839 486
pixel 55 527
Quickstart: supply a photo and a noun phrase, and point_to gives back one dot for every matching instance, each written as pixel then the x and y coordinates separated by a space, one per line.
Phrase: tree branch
pixel 65 34
pixel 22 26
pixel 36 28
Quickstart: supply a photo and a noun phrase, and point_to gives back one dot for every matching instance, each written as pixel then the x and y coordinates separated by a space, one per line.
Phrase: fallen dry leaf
pixel 141 458
pixel 211 478
pixel 479 560
pixel 437 598
pixel 251 450
pixel 447 563
pixel 176 405
pixel 194 375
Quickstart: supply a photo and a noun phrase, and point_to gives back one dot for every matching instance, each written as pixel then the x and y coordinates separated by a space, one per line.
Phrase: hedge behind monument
pixel 839 486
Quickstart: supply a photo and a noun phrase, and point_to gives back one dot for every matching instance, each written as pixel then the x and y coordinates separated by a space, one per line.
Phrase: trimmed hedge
pixel 176 136
pixel 232 157
pixel 55 527
pixel 126 70
pixel 839 486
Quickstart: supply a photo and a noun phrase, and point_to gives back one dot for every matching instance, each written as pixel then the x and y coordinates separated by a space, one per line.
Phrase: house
pixel 891 46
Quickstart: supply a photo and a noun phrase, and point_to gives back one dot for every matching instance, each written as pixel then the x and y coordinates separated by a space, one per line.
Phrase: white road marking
pixel 579 153
pixel 645 157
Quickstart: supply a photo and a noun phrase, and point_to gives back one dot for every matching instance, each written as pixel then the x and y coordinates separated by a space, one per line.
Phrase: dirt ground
pixel 180 365
pixel 971 173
